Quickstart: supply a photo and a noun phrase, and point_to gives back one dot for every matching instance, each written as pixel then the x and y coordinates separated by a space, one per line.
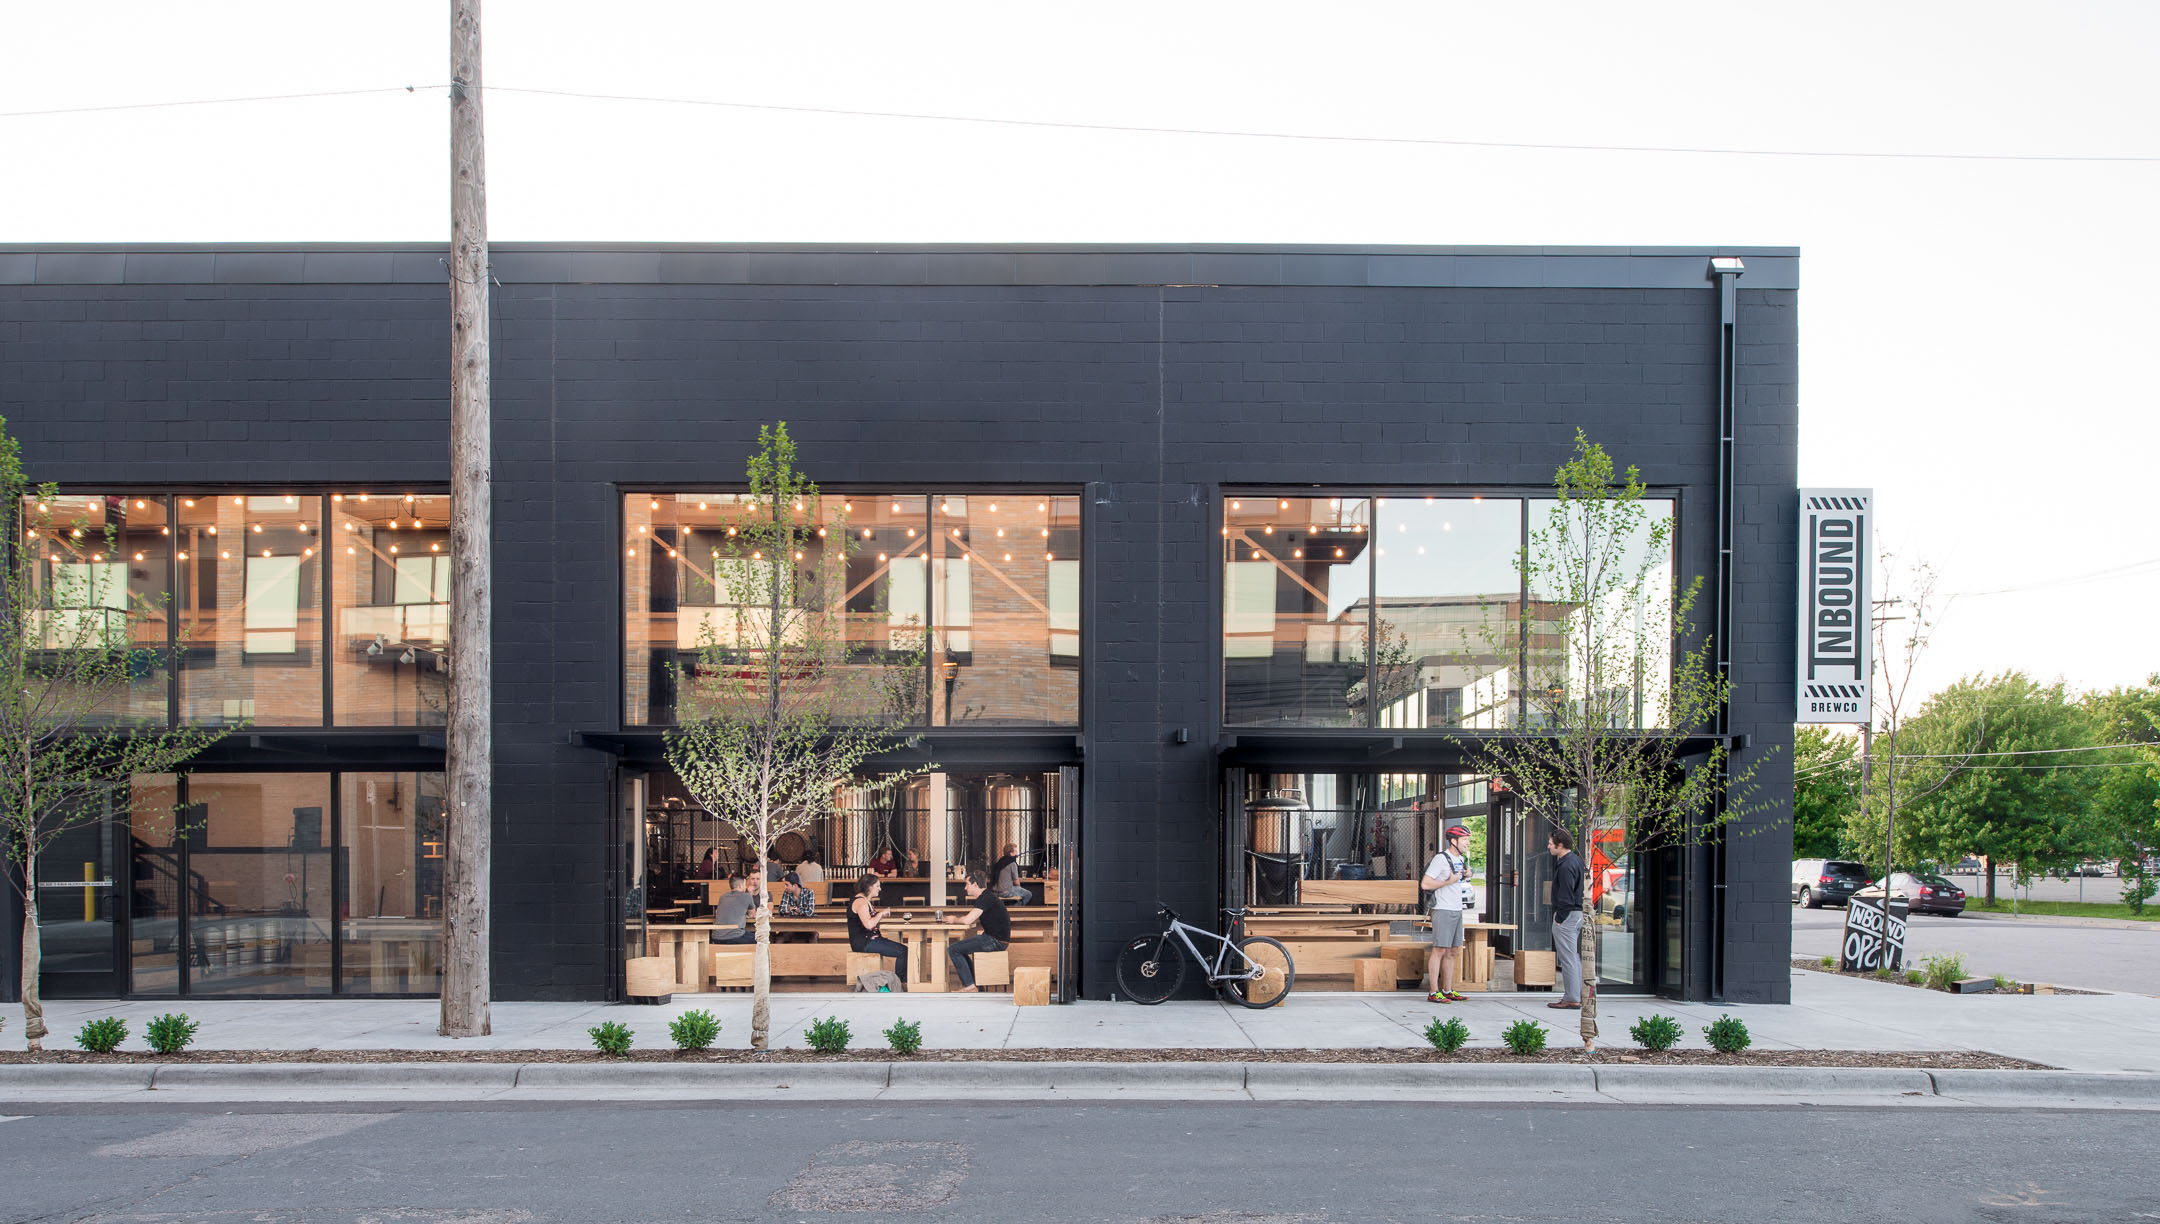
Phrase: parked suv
pixel 1820 882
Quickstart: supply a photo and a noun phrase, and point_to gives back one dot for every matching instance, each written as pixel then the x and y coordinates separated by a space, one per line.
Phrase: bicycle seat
pixel 1236 913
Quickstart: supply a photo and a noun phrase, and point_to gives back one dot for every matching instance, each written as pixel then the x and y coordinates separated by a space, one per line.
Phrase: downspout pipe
pixel 1725 272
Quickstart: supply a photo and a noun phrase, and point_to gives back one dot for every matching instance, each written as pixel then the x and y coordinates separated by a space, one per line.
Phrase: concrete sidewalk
pixel 2085 1033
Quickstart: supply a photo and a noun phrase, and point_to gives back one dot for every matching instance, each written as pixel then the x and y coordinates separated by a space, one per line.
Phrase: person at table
pixel 863 917
pixel 706 866
pixel 995 933
pixel 795 899
pixel 1006 873
pixel 733 913
pixel 885 864
pixel 810 871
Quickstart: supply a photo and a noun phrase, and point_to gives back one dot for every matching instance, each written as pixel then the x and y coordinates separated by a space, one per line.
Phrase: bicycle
pixel 1255 970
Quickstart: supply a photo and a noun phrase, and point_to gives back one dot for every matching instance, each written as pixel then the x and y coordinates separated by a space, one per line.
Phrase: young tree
pixel 1618 681
pixel 779 711
pixel 1826 790
pixel 67 659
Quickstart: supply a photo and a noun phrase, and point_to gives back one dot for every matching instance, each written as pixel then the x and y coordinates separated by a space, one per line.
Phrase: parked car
pixel 1923 892
pixel 1966 866
pixel 1820 882
pixel 2092 868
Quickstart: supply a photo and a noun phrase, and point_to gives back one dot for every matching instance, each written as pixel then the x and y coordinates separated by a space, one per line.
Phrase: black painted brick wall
pixel 1152 396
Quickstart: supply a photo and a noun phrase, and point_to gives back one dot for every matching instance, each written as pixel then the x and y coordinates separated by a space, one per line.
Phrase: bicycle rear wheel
pixel 1151 968
pixel 1277 973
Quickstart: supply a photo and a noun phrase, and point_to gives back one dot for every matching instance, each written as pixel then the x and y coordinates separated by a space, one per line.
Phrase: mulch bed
pixel 1925 1059
pixel 1898 979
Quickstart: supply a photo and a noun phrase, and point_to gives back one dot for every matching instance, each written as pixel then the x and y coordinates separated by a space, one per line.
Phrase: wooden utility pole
pixel 468 869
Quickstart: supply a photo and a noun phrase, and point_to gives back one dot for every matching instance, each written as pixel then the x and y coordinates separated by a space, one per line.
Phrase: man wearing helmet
pixel 1445 877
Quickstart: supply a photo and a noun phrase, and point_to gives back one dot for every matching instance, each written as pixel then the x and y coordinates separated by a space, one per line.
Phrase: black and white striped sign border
pixel 1837 503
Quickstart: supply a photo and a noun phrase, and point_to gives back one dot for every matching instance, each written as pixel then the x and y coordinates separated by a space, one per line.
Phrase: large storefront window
pixel 1408 611
pixel 390 604
pixel 977 594
pixel 1615 628
pixel 265 883
pixel 233 587
pixel 98 572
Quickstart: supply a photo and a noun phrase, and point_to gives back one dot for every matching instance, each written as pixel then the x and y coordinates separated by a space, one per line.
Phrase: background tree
pixel 1612 699
pixel 66 657
pixel 2005 793
pixel 777 713
pixel 1826 790
pixel 2125 795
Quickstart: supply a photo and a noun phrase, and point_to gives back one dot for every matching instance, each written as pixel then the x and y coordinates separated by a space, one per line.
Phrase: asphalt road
pixel 2030 950
pixel 1158 1164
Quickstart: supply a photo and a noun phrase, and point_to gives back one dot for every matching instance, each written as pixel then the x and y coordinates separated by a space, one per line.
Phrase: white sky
pixel 1977 337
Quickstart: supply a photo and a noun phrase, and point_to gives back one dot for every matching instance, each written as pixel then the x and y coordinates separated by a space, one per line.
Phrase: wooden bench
pixel 1359 892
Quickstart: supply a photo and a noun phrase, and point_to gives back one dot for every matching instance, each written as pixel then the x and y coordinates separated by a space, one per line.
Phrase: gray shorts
pixel 1447 928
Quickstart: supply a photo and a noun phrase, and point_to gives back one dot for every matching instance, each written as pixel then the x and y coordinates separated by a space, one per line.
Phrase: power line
pixel 1144 129
pixel 2129 569
pixel 289 97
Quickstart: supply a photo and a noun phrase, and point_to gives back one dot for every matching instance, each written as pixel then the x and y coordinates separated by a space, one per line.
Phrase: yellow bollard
pixel 89 894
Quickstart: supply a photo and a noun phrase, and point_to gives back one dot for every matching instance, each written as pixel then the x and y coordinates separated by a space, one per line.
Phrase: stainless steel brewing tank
pixel 848 833
pixel 1015 819
pixel 1281 823
pixel 920 827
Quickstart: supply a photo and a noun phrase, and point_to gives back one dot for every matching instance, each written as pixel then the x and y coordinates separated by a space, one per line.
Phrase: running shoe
pixel 1441 997
pixel 1453 997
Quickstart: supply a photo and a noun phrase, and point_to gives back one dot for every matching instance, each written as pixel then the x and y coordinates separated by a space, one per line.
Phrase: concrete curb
pixel 1804 1083
pixel 2024 1088
pixel 863 1081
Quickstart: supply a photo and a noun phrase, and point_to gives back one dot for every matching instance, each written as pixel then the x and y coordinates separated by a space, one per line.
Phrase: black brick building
pixel 1151 384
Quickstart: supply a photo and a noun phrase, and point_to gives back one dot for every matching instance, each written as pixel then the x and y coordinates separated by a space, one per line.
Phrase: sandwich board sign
pixel 1836 664
pixel 1874 935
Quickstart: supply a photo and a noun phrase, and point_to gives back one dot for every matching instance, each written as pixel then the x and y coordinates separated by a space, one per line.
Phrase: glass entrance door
pixel 81 923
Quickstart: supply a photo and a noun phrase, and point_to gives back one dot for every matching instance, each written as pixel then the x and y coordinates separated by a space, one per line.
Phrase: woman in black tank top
pixel 863 917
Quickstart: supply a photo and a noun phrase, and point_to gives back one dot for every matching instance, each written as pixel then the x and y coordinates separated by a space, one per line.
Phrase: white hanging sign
pixel 1836 665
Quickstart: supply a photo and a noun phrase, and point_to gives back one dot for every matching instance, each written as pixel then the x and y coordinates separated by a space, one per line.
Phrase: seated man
pixel 989 913
pixel 733 912
pixel 1006 873
pixel 795 900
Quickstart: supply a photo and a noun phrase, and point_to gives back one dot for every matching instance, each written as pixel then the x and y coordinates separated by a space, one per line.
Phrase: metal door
pixel 82 922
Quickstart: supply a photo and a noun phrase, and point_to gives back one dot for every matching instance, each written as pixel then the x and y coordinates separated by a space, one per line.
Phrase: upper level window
pixel 1398 611
pixel 233 587
pixel 982 588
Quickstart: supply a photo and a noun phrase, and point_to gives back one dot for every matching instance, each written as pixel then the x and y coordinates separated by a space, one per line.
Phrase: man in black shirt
pixel 1567 917
pixel 989 913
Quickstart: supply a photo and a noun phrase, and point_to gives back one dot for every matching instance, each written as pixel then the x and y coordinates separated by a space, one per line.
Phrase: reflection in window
pixel 390 600
pixel 259 884
pixel 1296 599
pixel 1446 641
pixel 1610 622
pixel 975 595
pixel 98 574
pixel 249 594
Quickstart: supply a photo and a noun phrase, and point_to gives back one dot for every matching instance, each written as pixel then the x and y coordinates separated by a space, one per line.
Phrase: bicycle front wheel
pixel 1150 969
pixel 1277 973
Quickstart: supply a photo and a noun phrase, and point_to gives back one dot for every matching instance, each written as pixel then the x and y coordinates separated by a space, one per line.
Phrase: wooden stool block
pixel 1373 973
pixel 649 977
pixel 731 970
pixel 993 969
pixel 1031 986
pixel 1534 968
pixel 859 963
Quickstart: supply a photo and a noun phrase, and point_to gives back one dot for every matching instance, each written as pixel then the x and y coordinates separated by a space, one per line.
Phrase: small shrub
pixel 170 1034
pixel 1447 1036
pixel 611 1038
pixel 1883 973
pixel 905 1036
pixel 829 1036
pixel 1942 971
pixel 1525 1037
pixel 1656 1032
pixel 694 1030
pixel 1914 977
pixel 1727 1035
pixel 2005 983
pixel 1829 962
pixel 102 1036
